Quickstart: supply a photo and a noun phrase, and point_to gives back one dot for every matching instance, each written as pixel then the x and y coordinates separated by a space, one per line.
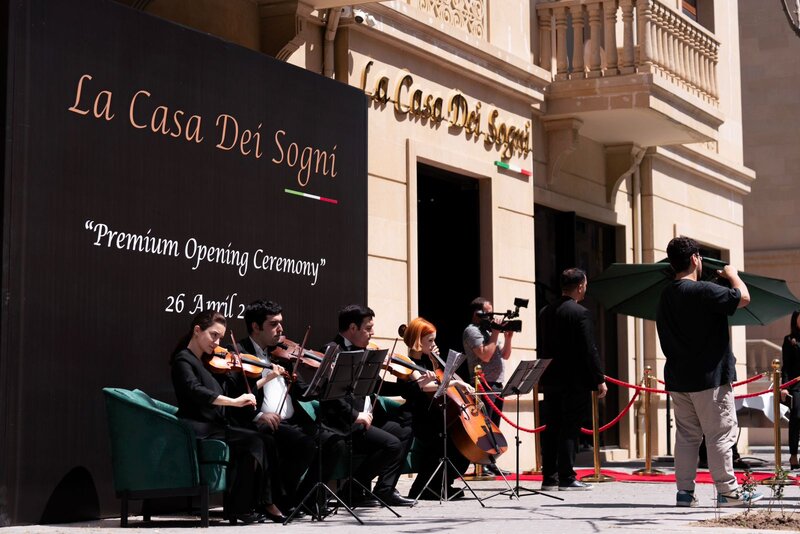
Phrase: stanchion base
pixel 598 478
pixel 648 472
pixel 776 482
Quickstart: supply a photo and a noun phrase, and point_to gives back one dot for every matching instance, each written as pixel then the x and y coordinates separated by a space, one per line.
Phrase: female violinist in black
pixel 201 404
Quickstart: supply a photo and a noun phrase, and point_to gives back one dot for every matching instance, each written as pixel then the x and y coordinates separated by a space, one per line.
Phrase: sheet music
pixel 323 371
pixel 454 360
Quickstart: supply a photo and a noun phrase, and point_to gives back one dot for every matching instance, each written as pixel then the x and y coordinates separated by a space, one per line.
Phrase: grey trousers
pixel 710 412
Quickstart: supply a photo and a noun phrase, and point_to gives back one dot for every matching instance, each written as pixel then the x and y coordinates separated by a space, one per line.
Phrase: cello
pixel 471 430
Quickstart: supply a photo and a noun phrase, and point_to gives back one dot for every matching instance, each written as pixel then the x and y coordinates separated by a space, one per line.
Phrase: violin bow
pixel 238 359
pixel 294 371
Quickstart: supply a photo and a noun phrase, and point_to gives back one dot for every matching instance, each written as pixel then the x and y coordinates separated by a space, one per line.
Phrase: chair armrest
pixel 150 449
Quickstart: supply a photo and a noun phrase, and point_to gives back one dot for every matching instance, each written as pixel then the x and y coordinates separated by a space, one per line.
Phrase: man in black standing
pixel 566 337
pixel 692 322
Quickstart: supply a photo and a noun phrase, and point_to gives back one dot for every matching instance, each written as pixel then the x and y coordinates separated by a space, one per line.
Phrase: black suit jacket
pixel 565 334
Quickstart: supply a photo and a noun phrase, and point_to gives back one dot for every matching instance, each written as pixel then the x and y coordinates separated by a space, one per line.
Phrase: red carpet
pixel 703 477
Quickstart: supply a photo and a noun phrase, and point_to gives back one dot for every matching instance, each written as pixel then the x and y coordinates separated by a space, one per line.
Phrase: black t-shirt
pixel 692 323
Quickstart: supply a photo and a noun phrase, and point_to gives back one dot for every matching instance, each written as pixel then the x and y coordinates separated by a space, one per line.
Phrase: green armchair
pixel 155 455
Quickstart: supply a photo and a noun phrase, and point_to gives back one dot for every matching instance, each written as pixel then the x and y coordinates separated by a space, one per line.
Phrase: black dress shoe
pixel 496 471
pixel 365 502
pixel 394 499
pixel 297 513
pixel 280 518
pixel 246 518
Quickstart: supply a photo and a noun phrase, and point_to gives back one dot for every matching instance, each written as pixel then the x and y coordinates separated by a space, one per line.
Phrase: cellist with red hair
pixel 420 338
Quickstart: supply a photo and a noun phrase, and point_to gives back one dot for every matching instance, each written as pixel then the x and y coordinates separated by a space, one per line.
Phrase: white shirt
pixel 274 390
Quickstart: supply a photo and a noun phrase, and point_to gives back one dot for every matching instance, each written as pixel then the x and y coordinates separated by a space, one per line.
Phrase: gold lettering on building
pixel 412 101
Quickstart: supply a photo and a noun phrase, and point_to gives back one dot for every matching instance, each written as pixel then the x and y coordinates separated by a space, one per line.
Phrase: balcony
pixel 629 71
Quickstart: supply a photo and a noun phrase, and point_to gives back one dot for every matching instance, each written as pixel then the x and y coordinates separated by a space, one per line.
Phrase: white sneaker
pixel 738 498
pixel 575 485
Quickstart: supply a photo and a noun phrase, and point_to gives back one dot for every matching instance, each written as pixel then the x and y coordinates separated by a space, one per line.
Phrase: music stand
pixel 454 359
pixel 524 377
pixel 318 387
pixel 356 372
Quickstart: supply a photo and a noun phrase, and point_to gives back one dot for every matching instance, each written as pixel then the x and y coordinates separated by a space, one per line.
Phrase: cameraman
pixel 483 347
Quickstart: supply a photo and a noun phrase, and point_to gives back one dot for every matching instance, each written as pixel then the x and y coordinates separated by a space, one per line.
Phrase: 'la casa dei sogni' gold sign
pixel 458 112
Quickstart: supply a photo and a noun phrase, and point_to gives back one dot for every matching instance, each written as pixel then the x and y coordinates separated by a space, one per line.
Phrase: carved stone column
pixel 610 33
pixel 577 42
pixel 562 65
pixel 595 26
pixel 643 32
pixel 627 63
pixel 545 40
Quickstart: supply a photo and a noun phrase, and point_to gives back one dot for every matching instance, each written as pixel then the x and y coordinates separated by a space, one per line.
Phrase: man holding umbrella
pixel 692 322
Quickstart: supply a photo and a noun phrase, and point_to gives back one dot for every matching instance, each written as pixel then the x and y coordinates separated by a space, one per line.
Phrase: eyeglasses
pixel 699 257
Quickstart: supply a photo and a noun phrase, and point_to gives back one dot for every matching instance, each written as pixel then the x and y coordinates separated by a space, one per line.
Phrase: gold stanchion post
pixel 777 480
pixel 478 468
pixel 649 380
pixel 597 476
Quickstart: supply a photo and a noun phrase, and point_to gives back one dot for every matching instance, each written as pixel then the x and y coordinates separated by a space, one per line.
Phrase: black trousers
pixel 385 448
pixel 794 434
pixel 295 448
pixel 562 412
pixel 248 480
pixel 434 449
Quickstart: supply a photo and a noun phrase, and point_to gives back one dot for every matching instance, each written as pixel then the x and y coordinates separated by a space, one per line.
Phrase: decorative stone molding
pixel 655 38
pixel 562 140
pixel 468 15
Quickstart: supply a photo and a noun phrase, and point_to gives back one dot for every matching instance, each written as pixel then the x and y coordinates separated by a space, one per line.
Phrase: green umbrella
pixel 634 289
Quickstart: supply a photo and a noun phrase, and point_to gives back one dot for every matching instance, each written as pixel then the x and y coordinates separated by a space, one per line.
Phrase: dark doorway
pixel 564 240
pixel 448 251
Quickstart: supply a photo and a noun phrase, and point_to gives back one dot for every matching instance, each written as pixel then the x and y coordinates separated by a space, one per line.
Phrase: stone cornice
pixel 730 175
pixel 406 28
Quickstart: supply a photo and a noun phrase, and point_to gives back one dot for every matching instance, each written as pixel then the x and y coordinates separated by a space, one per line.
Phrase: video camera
pixel 508 323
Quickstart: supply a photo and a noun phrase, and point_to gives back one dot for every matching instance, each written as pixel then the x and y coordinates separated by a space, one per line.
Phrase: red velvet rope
pixel 759 393
pixel 634 386
pixel 616 419
pixel 502 415
pixel 735 384
pixel 482 385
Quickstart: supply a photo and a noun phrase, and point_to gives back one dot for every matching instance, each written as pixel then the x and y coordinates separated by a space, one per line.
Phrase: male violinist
pixel 278 413
pixel 385 442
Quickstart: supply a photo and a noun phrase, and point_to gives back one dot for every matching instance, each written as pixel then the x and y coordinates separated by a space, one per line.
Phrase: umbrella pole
pixel 777 480
pixel 597 476
pixel 648 381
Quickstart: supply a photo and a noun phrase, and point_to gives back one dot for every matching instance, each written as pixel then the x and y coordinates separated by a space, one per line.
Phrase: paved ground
pixel 609 507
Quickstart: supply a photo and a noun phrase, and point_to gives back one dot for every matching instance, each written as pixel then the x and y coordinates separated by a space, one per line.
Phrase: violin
pixel 290 351
pixel 223 360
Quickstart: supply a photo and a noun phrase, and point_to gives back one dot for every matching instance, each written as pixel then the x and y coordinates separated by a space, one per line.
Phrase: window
pixel 690 9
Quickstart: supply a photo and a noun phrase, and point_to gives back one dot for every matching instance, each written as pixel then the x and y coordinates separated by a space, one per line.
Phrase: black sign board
pixel 152 171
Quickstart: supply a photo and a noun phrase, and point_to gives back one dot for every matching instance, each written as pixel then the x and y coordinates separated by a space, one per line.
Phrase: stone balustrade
pixel 654 38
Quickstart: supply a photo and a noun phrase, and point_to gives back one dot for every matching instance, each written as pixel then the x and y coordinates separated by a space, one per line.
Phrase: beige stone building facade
pixel 511 139
pixel 770 44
